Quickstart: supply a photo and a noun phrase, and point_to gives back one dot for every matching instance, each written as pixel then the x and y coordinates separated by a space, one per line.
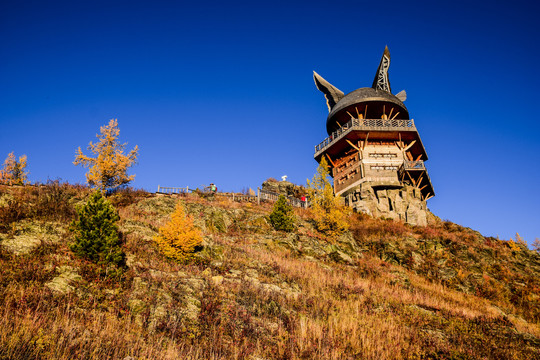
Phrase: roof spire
pixel 381 81
pixel 331 93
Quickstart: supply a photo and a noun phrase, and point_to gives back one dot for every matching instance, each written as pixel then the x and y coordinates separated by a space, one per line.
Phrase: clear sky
pixel 222 91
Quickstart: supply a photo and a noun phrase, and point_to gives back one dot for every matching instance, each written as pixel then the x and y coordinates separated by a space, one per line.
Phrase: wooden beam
pixel 365 112
pixel 400 142
pixel 330 159
pixel 352 117
pixel 410 177
pixel 409 156
pixel 423 187
pixel 428 196
pixel 350 143
pixel 365 141
pixel 344 160
pixel 420 179
pixel 419 157
pixel 356 108
pixel 410 145
pixel 395 116
pixel 397 144
pixel 337 122
pixel 392 109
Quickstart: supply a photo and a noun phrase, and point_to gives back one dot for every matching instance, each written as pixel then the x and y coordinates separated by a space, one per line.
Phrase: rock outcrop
pixel 399 203
pixel 63 283
pixel 283 188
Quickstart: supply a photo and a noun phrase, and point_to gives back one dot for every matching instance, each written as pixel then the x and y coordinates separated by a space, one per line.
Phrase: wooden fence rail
pixel 273 197
pixel 365 124
pixel 262 195
pixel 172 190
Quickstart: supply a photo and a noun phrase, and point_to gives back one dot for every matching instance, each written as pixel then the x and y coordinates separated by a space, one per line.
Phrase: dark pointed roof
pixel 381 80
pixel 380 92
pixel 364 95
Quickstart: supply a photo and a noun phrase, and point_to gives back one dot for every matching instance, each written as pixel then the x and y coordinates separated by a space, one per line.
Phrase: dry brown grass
pixel 270 303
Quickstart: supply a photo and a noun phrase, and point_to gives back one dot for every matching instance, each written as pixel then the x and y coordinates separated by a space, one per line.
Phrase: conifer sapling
pixel 96 232
pixel 282 215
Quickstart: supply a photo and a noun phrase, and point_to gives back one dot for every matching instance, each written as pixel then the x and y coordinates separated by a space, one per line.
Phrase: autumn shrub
pixel 123 197
pixel 11 210
pixel 366 228
pixel 282 215
pixel 53 200
pixel 96 233
pixel 513 246
pixel 536 245
pixel 329 215
pixel 179 238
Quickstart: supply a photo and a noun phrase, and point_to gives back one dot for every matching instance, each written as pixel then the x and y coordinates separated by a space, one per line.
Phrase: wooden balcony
pixel 364 125
pixel 415 173
pixel 413 165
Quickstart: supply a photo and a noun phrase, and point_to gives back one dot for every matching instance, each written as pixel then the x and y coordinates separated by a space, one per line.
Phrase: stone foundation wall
pixel 395 202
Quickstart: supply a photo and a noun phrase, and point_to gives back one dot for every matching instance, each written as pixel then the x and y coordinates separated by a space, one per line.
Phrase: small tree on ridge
pixel 96 232
pixel 13 172
pixel 282 215
pixel 329 215
pixel 179 238
pixel 108 169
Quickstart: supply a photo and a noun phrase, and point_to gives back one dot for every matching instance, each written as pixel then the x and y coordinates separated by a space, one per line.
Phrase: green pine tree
pixel 282 215
pixel 96 232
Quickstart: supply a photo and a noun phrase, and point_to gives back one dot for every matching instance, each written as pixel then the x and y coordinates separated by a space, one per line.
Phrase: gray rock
pixel 136 306
pixel 397 203
pixel 139 287
pixel 21 245
pixel 341 257
pixel 30 235
pixel 62 284
pixel 159 314
pixel 217 280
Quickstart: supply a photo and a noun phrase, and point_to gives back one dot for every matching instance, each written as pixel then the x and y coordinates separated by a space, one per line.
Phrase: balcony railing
pixel 365 124
pixel 413 165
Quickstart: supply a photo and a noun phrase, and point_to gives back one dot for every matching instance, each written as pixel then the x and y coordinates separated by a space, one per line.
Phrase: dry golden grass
pixel 255 298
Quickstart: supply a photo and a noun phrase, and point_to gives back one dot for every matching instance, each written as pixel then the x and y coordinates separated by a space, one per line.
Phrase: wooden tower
pixel 374 150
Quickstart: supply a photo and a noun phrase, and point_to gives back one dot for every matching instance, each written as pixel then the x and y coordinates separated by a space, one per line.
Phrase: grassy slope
pixel 384 290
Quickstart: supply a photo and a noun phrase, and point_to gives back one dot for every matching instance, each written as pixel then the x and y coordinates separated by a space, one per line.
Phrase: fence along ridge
pixel 262 195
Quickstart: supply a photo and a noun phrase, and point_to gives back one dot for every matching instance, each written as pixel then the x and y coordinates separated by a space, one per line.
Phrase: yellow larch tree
pixel 108 169
pixel 179 238
pixel 14 172
pixel 330 216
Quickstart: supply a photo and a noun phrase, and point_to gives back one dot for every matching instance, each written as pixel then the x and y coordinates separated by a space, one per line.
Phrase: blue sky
pixel 223 92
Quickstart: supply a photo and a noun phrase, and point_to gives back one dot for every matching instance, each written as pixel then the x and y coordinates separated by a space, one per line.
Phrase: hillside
pixel 383 290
